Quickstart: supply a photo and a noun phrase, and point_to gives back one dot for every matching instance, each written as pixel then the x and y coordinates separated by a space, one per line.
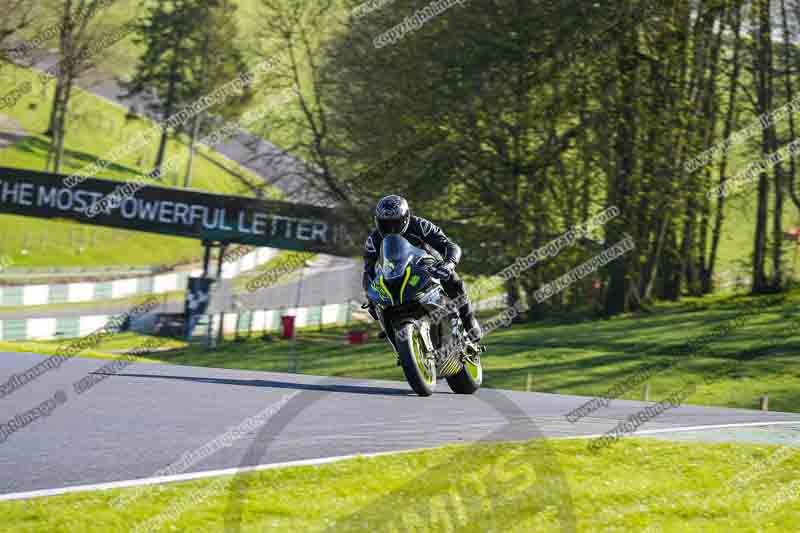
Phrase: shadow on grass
pixel 606 336
pixel 38 146
pixel 564 382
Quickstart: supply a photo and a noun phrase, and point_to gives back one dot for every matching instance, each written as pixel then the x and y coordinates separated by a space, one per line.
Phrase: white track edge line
pixel 190 476
pixel 320 461
pixel 681 429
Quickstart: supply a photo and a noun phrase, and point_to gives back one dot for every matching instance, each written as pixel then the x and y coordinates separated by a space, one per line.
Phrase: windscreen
pixel 396 254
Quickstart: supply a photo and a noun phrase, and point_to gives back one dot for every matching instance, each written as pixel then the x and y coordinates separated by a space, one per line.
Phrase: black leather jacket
pixel 421 233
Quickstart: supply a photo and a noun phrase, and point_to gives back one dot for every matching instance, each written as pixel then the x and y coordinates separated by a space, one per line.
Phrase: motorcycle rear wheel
pixel 469 379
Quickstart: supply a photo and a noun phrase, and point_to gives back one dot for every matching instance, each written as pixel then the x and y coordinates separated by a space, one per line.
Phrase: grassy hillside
pixel 96 127
pixel 736 245
pixel 120 59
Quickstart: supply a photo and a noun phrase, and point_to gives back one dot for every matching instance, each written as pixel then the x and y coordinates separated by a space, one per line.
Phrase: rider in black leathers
pixel 392 215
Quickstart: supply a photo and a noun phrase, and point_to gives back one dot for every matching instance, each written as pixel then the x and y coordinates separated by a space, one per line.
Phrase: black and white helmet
pixel 392 215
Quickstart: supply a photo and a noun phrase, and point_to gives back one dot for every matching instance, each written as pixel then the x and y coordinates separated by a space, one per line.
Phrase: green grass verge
pixel 636 485
pixel 110 348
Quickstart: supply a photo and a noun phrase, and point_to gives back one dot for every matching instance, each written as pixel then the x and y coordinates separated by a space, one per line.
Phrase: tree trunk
pixel 192 147
pixel 687 247
pixel 62 123
pixel 55 150
pixel 627 64
pixel 787 79
pixel 771 132
pixel 699 97
pixel 168 110
pixel 762 66
pixel 52 129
pixel 759 280
pixel 730 115
pixel 711 106
pixel 512 292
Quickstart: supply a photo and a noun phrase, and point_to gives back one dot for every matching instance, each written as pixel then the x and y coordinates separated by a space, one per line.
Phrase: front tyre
pixel 469 378
pixel 420 370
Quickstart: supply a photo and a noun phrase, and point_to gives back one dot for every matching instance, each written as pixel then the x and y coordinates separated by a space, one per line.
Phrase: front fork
pixel 425 333
pixel 386 328
pixel 424 329
pixel 424 326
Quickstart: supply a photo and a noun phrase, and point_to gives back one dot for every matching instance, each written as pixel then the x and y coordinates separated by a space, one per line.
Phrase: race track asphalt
pixel 147 416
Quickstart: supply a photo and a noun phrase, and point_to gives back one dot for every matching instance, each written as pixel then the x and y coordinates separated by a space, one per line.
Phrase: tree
pixel 189 51
pixel 17 17
pixel 295 35
pixel 218 60
pixel 76 54
pixel 167 63
pixel 729 122
pixel 764 89
pixel 513 124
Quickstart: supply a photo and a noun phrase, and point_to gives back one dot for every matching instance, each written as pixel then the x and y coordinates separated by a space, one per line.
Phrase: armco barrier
pixel 48 328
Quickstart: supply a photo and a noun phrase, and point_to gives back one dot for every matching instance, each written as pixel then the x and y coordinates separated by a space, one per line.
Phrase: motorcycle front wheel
pixel 419 369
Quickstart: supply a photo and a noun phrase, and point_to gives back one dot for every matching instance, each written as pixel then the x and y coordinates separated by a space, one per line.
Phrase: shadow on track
pixel 353 389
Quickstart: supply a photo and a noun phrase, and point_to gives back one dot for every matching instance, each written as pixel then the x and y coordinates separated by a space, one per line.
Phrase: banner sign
pixel 180 212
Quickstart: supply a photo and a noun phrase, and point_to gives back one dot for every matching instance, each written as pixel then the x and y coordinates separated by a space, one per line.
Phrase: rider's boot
pixel 471 324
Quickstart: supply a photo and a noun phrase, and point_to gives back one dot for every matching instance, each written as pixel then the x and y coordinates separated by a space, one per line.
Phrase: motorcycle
pixel 420 322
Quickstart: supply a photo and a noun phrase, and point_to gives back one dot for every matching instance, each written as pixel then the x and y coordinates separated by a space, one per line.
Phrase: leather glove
pixel 442 270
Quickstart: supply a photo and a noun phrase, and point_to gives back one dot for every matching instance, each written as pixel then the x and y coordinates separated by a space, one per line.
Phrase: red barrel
pixel 288 326
pixel 357 337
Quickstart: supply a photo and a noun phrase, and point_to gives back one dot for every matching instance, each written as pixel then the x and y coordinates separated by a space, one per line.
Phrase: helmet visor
pixel 391 225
